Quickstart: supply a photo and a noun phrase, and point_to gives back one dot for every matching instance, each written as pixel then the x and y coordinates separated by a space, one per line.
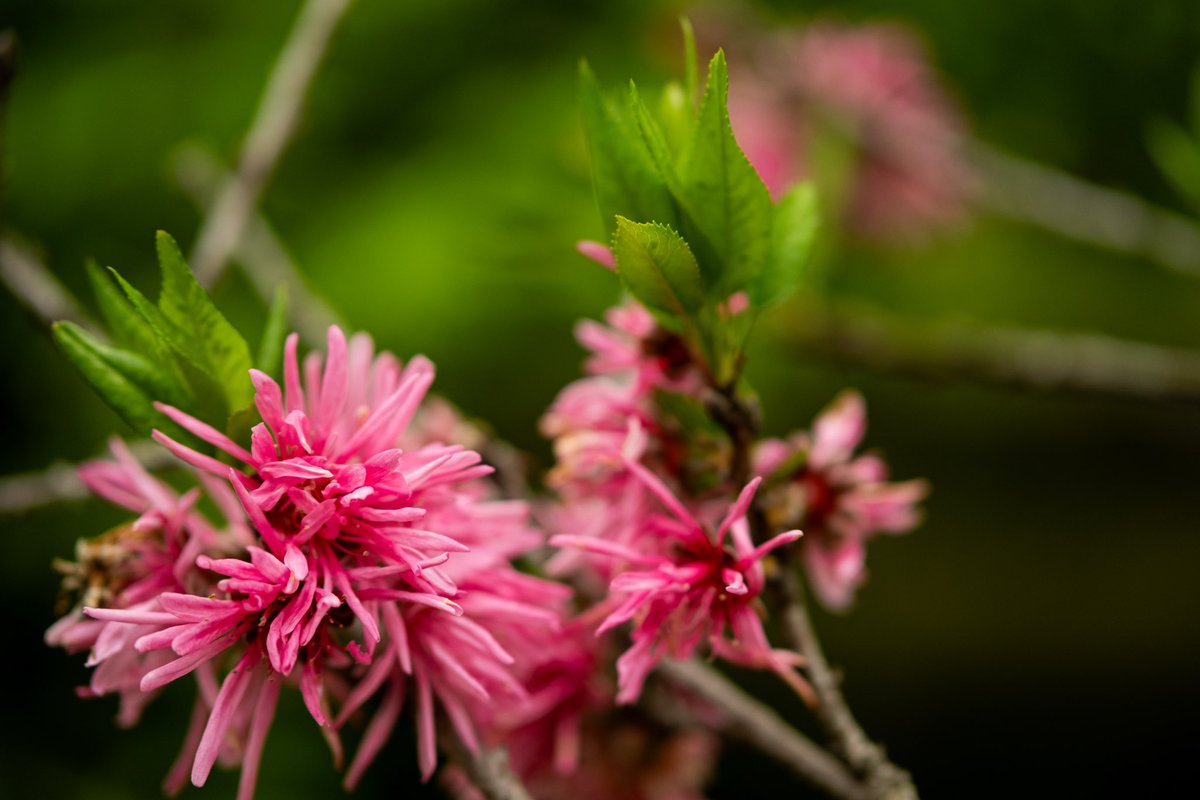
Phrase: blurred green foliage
pixel 1037 635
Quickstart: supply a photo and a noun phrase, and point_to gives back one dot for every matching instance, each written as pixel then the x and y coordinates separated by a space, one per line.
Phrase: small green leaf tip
pixel 197 330
pixel 728 207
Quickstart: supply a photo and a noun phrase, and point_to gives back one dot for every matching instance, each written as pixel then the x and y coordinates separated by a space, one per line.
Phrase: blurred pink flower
pixel 841 500
pixel 871 86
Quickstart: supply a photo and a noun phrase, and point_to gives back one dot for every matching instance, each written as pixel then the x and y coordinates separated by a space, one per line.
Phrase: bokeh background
pixel 1038 636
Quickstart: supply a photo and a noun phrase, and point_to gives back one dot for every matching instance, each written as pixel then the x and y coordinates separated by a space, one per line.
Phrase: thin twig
pixel 35 286
pixel 759 725
pixel 491 773
pixel 883 779
pixel 25 492
pixel 880 779
pixel 274 125
pixel 260 252
pixel 1069 206
pixel 1035 359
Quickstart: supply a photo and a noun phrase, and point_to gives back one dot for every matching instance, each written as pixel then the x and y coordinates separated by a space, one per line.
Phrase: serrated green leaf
pixel 123 395
pixel 658 267
pixel 124 324
pixel 209 400
pixel 270 349
pixel 623 175
pixel 157 382
pixel 198 330
pixel 1177 155
pixel 725 200
pixel 793 231
pixel 150 315
pixel 653 140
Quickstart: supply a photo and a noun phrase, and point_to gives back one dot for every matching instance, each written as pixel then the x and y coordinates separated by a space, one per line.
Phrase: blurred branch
pixel 260 252
pixel 35 286
pixel 59 482
pixel 1052 199
pixel 489 771
pixel 759 725
pixel 273 128
pixel 1007 356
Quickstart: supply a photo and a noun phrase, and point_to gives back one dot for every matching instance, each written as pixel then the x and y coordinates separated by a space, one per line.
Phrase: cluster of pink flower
pixel 361 556
pixel 364 558
pixel 872 87
pixel 680 563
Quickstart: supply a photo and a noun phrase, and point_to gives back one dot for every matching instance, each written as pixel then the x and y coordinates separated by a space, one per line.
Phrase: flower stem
pixel 881 779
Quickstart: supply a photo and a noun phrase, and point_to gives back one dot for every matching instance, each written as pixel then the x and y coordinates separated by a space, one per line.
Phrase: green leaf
pixel 658 267
pixel 124 324
pixel 1177 155
pixel 92 359
pixel 270 349
pixel 209 399
pixel 199 330
pixel 653 140
pixel 623 175
pixel 793 231
pixel 728 207
pixel 676 114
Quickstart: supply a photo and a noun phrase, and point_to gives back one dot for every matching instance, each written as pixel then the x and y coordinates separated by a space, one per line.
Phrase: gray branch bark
pixel 260 252
pixel 758 725
pixel 1069 206
pixel 273 128
pixel 1035 359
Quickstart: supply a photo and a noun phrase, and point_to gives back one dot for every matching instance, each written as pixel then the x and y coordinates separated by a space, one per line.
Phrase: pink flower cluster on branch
pixel 683 570
pixel 362 560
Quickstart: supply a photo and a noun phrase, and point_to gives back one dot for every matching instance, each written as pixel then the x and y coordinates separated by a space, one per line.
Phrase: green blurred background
pixel 1037 637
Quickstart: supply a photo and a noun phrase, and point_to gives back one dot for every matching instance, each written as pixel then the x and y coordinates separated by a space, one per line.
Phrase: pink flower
pixel 871 84
pixel 128 568
pixel 633 346
pixel 344 584
pixel 467 662
pixel 564 685
pixel 689 586
pixel 841 500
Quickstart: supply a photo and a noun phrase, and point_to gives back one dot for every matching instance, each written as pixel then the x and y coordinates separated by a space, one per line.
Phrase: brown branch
pixel 273 128
pixel 1069 206
pixel 1043 360
pixel 758 725
pixel 262 255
